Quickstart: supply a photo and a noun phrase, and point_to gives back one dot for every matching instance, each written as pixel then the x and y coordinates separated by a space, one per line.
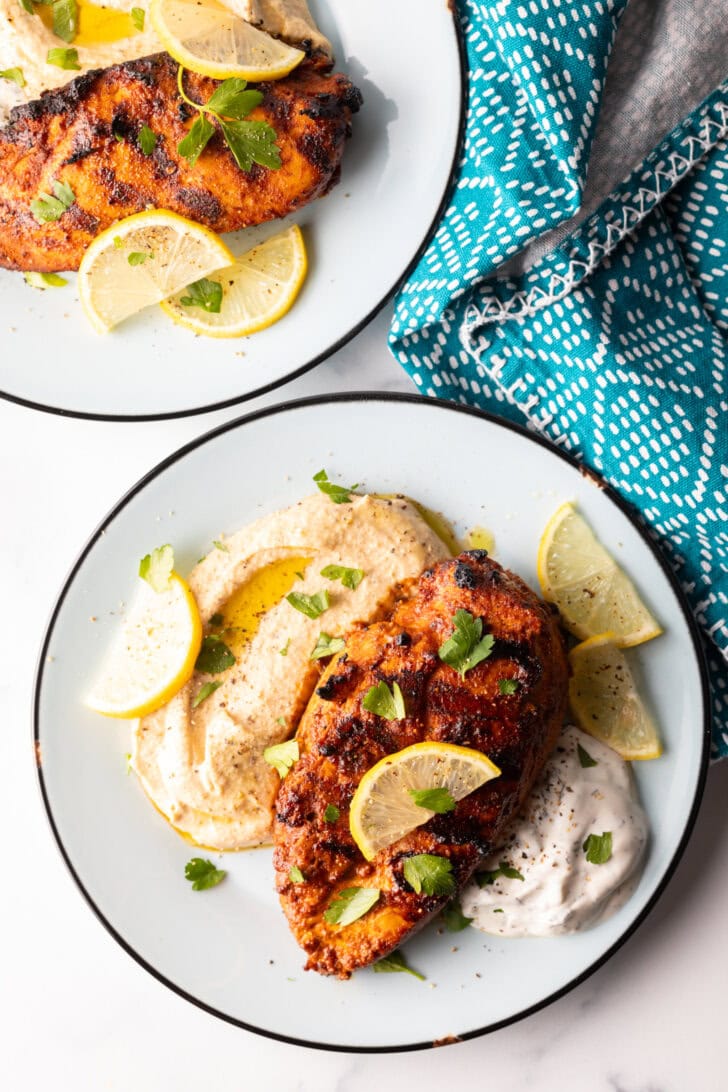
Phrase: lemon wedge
pixel 153 655
pixel 142 259
pixel 256 291
pixel 382 809
pixel 605 700
pixel 209 38
pixel 593 594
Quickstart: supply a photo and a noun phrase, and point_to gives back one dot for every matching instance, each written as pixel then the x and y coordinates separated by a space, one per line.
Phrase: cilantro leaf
pixel 486 878
pixel 204 692
pixel 281 756
pixel 232 100
pixel 350 578
pixel 439 800
pixel 193 145
pixel 508 686
pixel 384 702
pixel 251 142
pixel 429 873
pixel 204 293
pixel 310 605
pixel 327 646
pixel 394 962
pixel 65 19
pixel 295 875
pixel 337 493
pixel 64 58
pixel 466 647
pixel 147 138
pixel 202 874
pixel 156 568
pixel 16 75
pixel 598 847
pixel 45 280
pixel 332 813
pixel 350 904
pixel 585 759
pixel 214 656
pixel 138 257
pixel 454 918
pixel 138 16
pixel 46 208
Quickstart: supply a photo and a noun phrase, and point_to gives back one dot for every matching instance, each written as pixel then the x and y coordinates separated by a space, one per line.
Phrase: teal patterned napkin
pixel 611 338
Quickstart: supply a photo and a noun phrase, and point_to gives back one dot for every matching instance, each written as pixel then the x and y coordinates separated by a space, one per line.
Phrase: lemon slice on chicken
pixel 209 38
pixel 153 655
pixel 383 809
pixel 143 259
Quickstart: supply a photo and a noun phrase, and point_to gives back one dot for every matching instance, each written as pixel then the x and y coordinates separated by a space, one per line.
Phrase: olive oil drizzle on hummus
pixel 244 609
pixel 96 24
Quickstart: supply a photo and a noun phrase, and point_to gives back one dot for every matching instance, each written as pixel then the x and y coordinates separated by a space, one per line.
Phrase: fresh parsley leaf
pixel 350 578
pixel 598 847
pixel 337 493
pixel 384 702
pixel 46 208
pixel 498 911
pixel 193 145
pixel 232 100
pixel 504 869
pixel 252 142
pixel 295 875
pixel 202 874
pixel 508 686
pixel 214 656
pixel 281 721
pixel 439 800
pixel 509 872
pixel 117 241
pixel 65 19
pixel 585 759
pixel 16 75
pixel 27 5
pixel 64 58
pixel 204 692
pixel 284 651
pixel 217 619
pixel 156 568
pixel 310 605
pixel 220 545
pixel 138 16
pixel 204 293
pixel 138 257
pixel 466 647
pixel 327 646
pixel 332 813
pixel 281 756
pixel 147 138
pixel 454 918
pixel 429 873
pixel 395 961
pixel 350 904
pixel 45 280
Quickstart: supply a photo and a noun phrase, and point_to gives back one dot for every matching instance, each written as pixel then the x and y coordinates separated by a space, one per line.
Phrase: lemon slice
pixel 153 655
pixel 593 594
pixel 208 38
pixel 382 810
pixel 141 260
pixel 256 291
pixel 605 701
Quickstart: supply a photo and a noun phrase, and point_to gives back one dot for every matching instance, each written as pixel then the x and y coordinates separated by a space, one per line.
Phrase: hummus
pixel 203 767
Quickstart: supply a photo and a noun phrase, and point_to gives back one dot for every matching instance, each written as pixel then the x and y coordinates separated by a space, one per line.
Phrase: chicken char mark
pixel 339 741
pixel 86 135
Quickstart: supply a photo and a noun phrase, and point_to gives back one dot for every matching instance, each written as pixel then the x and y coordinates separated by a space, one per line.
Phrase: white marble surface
pixel 77 1013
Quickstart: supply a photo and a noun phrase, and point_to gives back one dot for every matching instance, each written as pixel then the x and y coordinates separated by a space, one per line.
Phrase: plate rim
pixel 266 388
pixel 411 399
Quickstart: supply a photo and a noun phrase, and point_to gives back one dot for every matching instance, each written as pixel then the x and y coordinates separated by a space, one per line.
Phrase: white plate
pixel 361 239
pixel 229 950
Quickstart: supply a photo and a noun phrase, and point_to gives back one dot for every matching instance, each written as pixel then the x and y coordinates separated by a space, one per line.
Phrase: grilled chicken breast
pixel 339 741
pixel 87 135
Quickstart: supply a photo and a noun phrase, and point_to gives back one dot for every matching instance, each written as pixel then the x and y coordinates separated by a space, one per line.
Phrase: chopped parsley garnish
pixel 439 800
pixel 281 721
pixel 204 293
pixel 332 813
pixel 384 702
pixel 598 847
pixel 147 138
pixel 508 686
pixel 214 656
pixel 310 605
pixel 295 875
pixel 327 646
pixel 394 962
pixel 137 17
pixel 46 208
pixel 429 873
pixel 204 692
pixel 202 874
pixel 504 869
pixel 156 568
pixel 337 493
pixel 454 918
pixel 45 280
pixel 64 58
pixel 466 647
pixel 27 5
pixel 281 756
pixel 129 766
pixel 16 75
pixel 350 578
pixel 351 904
pixel 217 619
pixel 585 759
pixel 138 257
pixel 249 141
pixel 65 19
pixel 284 651
pixel 220 545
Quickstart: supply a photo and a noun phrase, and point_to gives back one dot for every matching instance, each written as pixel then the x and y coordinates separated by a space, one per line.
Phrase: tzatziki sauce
pixel 540 882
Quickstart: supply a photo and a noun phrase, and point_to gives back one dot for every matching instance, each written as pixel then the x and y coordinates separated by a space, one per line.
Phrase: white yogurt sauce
pixel 562 892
